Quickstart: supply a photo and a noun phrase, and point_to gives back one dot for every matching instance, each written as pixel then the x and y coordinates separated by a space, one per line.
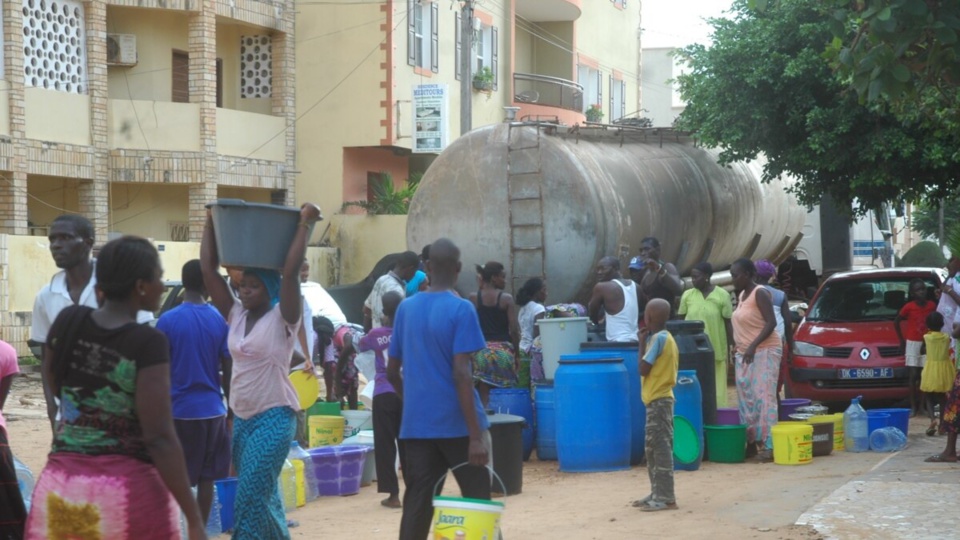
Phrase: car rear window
pixel 870 299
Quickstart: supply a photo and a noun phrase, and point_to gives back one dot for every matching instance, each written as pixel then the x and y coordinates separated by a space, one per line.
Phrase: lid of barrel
pixel 591 358
pixel 686 443
pixel 501 418
pixel 609 345
pixel 679 328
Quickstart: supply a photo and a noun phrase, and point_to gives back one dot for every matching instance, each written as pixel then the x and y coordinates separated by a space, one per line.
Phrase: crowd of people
pixel 140 414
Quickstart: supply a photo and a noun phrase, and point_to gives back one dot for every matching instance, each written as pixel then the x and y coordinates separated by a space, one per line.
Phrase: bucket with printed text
pixel 792 443
pixel 466 519
pixel 355 421
pixel 325 430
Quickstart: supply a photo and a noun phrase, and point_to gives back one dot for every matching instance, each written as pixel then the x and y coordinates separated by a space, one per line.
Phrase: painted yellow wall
pixel 249 195
pixel 58 117
pixel 147 210
pixel 157 125
pixel 31 267
pixel 247 134
pixel 158 33
pixel 228 50
pixel 4 107
pixel 610 35
pixel 549 58
pixel 364 240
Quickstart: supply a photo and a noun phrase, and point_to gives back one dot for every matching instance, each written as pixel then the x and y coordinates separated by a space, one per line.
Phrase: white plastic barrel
pixel 560 336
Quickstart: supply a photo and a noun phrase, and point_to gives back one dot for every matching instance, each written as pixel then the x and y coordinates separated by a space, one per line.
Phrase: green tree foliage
pixel 905 53
pixel 765 87
pixel 925 254
pixel 387 199
pixel 926 216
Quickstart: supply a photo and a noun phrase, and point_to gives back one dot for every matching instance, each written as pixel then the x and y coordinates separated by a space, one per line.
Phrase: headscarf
pixel 270 280
pixel 765 269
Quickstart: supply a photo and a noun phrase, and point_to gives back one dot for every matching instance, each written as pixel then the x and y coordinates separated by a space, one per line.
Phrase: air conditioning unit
pixel 121 50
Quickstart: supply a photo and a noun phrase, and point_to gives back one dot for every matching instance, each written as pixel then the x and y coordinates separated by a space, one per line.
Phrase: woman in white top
pixel 531 298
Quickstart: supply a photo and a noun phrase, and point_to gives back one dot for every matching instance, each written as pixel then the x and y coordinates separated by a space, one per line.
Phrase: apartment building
pixel 136 113
pixel 378 86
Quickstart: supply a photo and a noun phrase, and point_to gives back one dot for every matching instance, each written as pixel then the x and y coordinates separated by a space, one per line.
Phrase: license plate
pixel 867 373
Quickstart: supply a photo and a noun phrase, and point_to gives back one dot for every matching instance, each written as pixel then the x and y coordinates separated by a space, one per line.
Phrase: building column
pixel 13 187
pixel 283 97
pixel 94 195
pixel 202 45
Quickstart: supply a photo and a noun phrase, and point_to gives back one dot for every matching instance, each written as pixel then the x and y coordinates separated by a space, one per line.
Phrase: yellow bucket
pixel 837 420
pixel 792 444
pixel 301 487
pixel 465 519
pixel 325 430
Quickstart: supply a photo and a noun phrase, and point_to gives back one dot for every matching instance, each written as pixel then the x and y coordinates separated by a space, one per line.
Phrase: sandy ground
pixel 718 501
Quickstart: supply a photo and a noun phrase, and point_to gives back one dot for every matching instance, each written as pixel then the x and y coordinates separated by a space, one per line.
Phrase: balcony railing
pixel 549 91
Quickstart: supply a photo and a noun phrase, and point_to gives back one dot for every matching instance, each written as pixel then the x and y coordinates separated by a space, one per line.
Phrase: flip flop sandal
pixel 641 502
pixel 937 458
pixel 932 430
pixel 656 506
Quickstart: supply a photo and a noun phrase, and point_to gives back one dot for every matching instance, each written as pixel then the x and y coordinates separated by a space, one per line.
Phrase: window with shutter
pixel 220 82
pixel 412 32
pixel 457 38
pixel 180 77
pixel 599 101
pixel 591 80
pixel 494 60
pixel 623 99
pixel 434 37
pixel 617 100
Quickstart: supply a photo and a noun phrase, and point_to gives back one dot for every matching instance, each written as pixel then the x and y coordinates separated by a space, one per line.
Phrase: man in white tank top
pixel 615 301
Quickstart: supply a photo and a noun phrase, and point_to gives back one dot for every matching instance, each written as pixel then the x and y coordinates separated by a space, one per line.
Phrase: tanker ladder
pixel 525 201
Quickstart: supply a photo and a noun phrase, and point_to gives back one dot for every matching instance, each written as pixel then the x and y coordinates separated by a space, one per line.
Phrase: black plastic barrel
pixel 506 432
pixel 696 353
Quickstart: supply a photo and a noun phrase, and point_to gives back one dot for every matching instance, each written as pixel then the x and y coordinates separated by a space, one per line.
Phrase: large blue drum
pixel 593 413
pixel 515 401
pixel 546 414
pixel 638 413
pixel 689 404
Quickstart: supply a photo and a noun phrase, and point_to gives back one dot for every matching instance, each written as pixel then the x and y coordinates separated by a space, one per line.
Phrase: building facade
pixel 378 86
pixel 137 113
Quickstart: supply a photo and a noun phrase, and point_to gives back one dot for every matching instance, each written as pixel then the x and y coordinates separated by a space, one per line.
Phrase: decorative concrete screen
pixel 256 66
pixel 54 45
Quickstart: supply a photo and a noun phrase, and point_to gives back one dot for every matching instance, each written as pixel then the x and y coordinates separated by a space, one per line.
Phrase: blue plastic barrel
pixel 689 404
pixel 593 415
pixel 515 401
pixel 546 425
pixel 638 413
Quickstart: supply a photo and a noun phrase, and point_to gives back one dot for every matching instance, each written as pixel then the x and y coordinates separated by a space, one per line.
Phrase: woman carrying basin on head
pixel 264 322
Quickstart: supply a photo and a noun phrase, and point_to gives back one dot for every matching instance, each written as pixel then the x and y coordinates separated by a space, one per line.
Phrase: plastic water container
pixel 899 418
pixel 310 491
pixel 516 401
pixel 253 234
pixel 355 421
pixel 856 435
pixel 558 337
pixel 365 438
pixel 338 468
pixel 226 491
pixel 789 406
pixel 214 527
pixel 288 486
pixel 876 420
pixel 593 414
pixel 689 404
pixel 25 481
pixel 638 413
pixel 546 422
pixel 887 439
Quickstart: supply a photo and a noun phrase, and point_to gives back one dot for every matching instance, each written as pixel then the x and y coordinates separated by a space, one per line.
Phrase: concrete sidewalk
pixel 901 497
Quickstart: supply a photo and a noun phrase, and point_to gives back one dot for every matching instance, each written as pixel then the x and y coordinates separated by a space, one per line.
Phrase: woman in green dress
pixel 711 304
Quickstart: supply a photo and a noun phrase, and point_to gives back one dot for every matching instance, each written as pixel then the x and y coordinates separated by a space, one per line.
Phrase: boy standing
pixel 913 315
pixel 387 407
pixel 658 370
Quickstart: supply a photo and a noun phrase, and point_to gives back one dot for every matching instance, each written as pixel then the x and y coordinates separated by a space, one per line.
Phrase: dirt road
pixel 719 501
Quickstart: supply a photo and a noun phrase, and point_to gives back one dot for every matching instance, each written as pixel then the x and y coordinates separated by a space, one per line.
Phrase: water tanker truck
pixel 550 201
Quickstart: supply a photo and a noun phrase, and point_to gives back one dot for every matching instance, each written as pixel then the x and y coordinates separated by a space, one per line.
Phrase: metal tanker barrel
pixel 547 202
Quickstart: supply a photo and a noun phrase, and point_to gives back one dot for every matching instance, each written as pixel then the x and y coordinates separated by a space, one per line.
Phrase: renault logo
pixel 864 354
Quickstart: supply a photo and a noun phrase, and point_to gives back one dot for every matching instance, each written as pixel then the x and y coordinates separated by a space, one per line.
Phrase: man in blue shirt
pixel 443 425
pixel 198 350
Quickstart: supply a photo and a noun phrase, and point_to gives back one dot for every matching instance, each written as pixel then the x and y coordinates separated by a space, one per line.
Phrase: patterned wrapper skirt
pixel 495 365
pixel 110 496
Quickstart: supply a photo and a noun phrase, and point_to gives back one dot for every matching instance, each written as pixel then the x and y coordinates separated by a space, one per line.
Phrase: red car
pixel 846 345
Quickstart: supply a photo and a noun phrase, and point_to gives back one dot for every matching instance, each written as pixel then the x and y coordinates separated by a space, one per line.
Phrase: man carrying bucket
pixel 443 425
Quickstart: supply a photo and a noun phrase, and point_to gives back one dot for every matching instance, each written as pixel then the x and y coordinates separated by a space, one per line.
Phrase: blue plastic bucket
pixel 593 415
pixel 227 493
pixel 876 420
pixel 546 425
pixel 516 401
pixel 899 418
pixel 638 413
pixel 689 404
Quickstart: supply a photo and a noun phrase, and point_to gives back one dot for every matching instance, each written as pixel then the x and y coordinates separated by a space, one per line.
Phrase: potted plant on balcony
pixel 483 80
pixel 594 113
